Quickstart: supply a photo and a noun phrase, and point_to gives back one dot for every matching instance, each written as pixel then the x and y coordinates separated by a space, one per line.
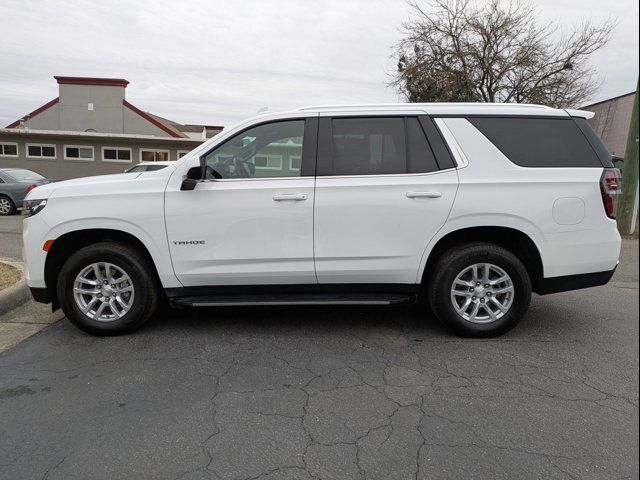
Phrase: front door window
pixel 264 151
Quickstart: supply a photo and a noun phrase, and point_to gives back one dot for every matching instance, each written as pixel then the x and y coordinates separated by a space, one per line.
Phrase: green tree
pixel 458 50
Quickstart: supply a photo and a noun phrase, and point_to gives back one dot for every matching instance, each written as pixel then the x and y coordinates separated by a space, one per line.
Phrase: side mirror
pixel 189 184
pixel 194 175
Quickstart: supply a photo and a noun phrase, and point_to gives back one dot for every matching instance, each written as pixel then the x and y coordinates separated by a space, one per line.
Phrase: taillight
pixel 31 187
pixel 610 188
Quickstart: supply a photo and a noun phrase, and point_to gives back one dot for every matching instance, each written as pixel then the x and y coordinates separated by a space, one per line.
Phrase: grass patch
pixel 8 275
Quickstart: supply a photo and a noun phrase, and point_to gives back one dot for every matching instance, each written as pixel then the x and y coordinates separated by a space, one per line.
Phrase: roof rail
pixel 425 104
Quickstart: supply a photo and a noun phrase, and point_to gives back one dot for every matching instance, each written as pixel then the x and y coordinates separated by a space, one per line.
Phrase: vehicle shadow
pixel 548 318
pixel 406 318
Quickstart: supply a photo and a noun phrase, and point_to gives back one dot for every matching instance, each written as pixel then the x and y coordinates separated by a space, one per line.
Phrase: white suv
pixel 469 206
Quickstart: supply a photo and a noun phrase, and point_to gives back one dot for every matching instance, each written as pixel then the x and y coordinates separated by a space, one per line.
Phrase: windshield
pixel 24 175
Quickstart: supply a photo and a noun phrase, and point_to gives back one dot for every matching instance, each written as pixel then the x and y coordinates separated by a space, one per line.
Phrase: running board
pixel 292 299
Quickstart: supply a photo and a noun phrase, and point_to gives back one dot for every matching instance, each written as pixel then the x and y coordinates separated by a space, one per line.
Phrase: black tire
pixel 453 263
pixel 6 201
pixel 134 263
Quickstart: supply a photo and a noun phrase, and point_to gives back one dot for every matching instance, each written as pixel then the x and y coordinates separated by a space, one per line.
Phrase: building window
pixel 153 155
pixel 8 149
pixel 116 154
pixel 268 162
pixel 182 153
pixel 78 152
pixel 294 163
pixel 40 151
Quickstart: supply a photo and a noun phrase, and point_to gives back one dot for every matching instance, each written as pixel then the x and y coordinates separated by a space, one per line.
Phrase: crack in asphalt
pixel 363 401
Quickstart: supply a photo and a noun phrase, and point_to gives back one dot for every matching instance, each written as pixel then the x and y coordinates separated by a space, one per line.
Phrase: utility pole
pixel 629 202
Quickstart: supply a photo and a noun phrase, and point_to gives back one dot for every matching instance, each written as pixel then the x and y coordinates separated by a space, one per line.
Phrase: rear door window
pixel 368 146
pixel 375 146
pixel 539 142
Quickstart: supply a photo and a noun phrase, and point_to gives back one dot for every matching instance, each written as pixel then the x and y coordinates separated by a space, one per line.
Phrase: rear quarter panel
pixel 560 209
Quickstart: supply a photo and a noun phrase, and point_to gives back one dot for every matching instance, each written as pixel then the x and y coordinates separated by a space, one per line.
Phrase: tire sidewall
pixel 131 266
pixel 12 206
pixel 503 259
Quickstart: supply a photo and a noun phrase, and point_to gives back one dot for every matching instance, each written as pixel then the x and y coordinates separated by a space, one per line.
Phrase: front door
pixel 381 195
pixel 251 221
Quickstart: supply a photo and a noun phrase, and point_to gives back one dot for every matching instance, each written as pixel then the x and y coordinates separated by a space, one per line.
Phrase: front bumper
pixel 40 294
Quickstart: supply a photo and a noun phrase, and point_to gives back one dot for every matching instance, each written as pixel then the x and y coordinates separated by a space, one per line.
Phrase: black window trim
pixel 440 148
pixel 324 150
pixel 309 149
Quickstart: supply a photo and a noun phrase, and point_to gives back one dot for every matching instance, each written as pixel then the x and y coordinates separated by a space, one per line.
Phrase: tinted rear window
pixel 368 146
pixel 539 142
pixel 378 146
pixel 603 154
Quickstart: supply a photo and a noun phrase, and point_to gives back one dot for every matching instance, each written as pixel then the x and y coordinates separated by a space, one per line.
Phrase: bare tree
pixel 457 50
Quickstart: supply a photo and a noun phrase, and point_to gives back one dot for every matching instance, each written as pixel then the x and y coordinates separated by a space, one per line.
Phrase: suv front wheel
pixel 480 290
pixel 107 289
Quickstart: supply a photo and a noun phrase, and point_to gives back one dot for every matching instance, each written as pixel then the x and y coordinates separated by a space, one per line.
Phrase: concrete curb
pixel 15 295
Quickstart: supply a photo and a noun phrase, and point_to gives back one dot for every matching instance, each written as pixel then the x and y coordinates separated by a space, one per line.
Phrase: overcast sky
pixel 217 62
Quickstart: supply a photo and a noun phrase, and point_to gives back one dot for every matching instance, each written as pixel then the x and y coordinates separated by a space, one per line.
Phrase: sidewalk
pixel 24 321
pixel 27 318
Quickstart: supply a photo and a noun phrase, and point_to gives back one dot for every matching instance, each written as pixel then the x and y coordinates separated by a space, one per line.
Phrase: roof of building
pixel 69 133
pixel 181 127
pixel 174 129
pixel 38 110
pixel 609 99
pixel 104 82
pixel 165 126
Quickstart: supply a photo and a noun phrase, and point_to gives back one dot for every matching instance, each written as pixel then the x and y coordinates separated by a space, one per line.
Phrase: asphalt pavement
pixel 11 237
pixel 332 393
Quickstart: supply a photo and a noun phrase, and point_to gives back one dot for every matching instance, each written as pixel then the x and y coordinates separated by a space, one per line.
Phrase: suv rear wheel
pixel 479 290
pixel 107 289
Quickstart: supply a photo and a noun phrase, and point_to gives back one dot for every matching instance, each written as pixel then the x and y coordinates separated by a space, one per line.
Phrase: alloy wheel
pixel 5 206
pixel 103 292
pixel 482 293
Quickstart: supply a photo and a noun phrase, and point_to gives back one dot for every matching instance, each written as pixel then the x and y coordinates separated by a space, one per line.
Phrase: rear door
pixel 382 192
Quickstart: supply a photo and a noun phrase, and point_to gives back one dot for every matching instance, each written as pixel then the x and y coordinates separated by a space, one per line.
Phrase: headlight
pixel 31 207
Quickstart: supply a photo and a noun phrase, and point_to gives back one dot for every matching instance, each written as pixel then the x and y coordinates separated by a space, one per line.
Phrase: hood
pixel 105 185
pixel 45 190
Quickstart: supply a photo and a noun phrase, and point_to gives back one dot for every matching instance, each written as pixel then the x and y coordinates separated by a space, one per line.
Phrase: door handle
pixel 296 197
pixel 424 194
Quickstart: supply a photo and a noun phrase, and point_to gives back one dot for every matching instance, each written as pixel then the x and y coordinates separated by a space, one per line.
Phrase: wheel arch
pixel 65 245
pixel 514 240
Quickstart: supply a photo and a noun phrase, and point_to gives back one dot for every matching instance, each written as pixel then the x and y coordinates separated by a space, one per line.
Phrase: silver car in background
pixel 15 183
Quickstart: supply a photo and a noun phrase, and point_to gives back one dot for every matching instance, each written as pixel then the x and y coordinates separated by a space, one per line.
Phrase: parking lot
pixel 330 393
pixel 11 237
